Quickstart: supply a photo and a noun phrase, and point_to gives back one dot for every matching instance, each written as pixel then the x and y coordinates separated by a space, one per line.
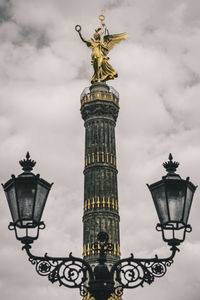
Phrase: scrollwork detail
pixel 130 274
pixel 74 272
pixel 68 271
pixel 133 272
pixel 45 267
pixel 70 274
pixel 158 268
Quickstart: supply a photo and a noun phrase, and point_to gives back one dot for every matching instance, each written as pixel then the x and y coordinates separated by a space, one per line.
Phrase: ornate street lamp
pixel 26 195
pixel 172 196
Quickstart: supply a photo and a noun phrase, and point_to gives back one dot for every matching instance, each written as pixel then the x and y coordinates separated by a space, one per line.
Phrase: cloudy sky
pixel 44 67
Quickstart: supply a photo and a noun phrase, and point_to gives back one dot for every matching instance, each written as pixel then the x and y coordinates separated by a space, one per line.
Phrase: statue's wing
pixel 112 39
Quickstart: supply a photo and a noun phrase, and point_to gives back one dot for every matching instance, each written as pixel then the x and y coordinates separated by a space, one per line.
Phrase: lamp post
pixel 172 196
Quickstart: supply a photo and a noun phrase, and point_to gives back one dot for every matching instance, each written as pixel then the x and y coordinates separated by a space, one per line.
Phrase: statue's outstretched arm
pixel 78 29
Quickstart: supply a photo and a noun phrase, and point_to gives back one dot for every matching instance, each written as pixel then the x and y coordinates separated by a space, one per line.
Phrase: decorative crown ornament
pixel 171 165
pixel 27 164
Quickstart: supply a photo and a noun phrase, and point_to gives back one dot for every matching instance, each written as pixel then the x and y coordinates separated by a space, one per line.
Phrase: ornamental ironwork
pixel 75 272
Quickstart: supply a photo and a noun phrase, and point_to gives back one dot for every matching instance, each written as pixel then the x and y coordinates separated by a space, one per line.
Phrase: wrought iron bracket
pixel 72 272
pixel 134 272
pixel 75 272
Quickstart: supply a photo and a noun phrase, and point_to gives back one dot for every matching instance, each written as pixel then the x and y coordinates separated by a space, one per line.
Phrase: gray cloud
pixel 5 11
pixel 43 69
pixel 112 4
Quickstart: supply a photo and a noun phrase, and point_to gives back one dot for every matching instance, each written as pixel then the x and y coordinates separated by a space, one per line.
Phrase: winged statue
pixel 101 44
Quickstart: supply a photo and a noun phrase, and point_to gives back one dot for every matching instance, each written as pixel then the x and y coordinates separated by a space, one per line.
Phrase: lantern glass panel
pixel 26 197
pixel 176 197
pixel 188 203
pixel 159 198
pixel 40 201
pixel 12 202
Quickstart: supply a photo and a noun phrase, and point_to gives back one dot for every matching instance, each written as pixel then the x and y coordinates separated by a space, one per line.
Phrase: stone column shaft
pixel 99 109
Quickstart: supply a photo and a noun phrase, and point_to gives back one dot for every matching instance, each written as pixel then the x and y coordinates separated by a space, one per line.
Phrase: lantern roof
pixel 170 167
pixel 27 165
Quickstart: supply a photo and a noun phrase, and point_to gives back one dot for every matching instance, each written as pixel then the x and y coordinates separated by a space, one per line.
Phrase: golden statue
pixel 102 43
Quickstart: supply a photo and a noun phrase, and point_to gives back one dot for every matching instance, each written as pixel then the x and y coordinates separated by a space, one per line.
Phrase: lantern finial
pixel 27 164
pixel 170 157
pixel 171 165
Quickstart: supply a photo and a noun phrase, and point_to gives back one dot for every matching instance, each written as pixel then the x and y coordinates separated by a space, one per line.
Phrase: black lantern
pixel 172 197
pixel 27 195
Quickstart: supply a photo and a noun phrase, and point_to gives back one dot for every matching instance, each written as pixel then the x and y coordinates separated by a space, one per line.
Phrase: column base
pixel 113 297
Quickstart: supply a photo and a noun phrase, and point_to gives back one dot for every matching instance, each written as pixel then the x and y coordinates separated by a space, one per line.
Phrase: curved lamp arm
pixel 72 272
pixel 75 272
pixel 133 272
